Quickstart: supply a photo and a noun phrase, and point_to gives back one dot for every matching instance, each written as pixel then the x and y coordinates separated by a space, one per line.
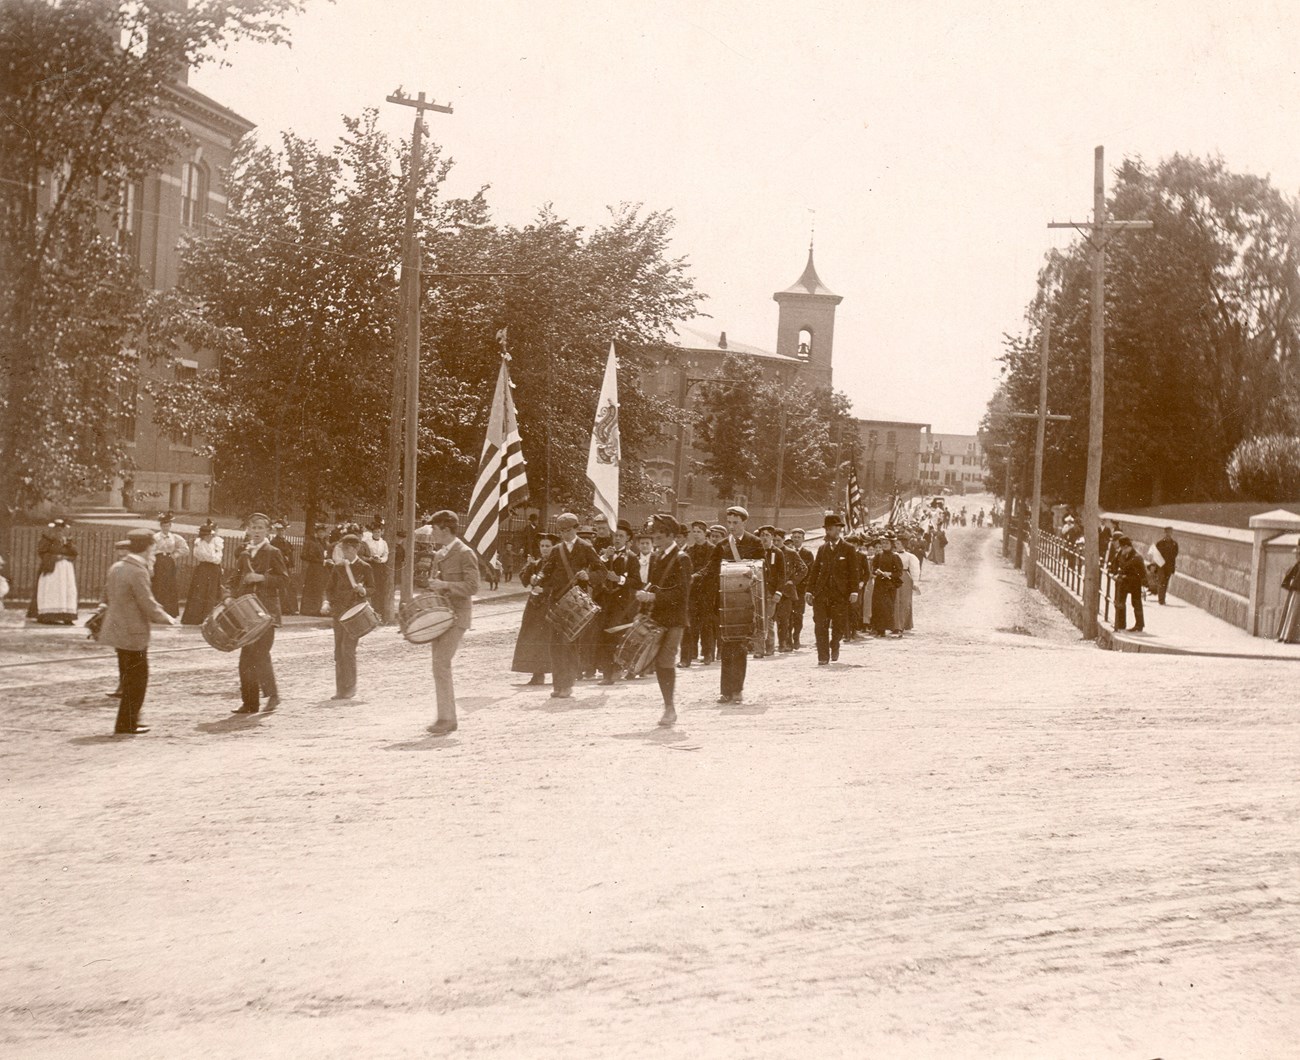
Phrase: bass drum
pixel 742 612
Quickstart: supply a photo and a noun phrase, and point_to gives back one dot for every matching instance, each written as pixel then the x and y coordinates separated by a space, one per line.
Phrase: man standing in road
pixel 832 590
pixel 131 608
pixel 667 594
pixel 455 573
pixel 1168 549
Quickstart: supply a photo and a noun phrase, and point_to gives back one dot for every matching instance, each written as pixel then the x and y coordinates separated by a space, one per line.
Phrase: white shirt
pixel 645 567
pixel 912 565
pixel 168 544
pixel 209 549
pixel 378 547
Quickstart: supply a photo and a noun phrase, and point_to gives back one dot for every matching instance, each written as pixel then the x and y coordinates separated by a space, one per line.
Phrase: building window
pixel 891 439
pixel 804 350
pixel 128 219
pixel 194 194
pixel 872 438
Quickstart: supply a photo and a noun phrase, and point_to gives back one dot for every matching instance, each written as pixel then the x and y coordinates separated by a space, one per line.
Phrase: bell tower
pixel 805 328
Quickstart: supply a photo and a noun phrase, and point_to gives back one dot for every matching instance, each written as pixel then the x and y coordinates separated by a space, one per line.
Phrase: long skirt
pixel 936 551
pixel 1288 626
pixel 56 594
pixel 903 603
pixel 204 594
pixel 882 607
pixel 313 588
pixel 164 584
pixel 533 646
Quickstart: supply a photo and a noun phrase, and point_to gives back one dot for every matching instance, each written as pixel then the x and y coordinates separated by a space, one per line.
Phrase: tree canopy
pixel 1202 333
pixel 82 87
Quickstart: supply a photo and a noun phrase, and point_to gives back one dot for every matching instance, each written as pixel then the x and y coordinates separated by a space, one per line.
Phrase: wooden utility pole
pixel 1031 574
pixel 1096 234
pixel 411 343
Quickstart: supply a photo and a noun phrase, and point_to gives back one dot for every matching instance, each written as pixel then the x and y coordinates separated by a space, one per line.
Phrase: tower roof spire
pixel 809 282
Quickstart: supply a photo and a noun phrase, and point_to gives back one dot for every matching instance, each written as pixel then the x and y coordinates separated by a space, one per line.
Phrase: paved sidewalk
pixel 1180 628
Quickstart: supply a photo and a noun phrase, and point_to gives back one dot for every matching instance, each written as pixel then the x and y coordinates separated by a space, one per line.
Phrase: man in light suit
pixel 455 573
pixel 131 607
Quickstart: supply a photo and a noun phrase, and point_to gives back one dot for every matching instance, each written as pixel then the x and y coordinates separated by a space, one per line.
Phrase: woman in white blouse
pixel 205 583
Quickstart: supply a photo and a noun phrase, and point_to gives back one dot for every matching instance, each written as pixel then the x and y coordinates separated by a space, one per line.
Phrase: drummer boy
pixel 260 569
pixel 350 583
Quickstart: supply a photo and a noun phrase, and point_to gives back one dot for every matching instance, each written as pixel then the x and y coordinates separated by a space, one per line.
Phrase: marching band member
pixel 667 593
pixel 454 572
pixel 617 599
pixel 261 570
pixel 698 550
pixel 205 583
pixel 832 590
pixel 773 586
pixel 572 562
pixel 167 546
pixel 736 546
pixel 797 605
pixel 350 583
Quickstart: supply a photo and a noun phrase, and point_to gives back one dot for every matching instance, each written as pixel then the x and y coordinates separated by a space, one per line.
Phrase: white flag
pixel 604 454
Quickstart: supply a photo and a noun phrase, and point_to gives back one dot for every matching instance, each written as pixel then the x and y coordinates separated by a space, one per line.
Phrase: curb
pixel 1109 640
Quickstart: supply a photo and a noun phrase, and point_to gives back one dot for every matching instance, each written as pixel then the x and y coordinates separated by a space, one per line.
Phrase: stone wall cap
pixel 1277 519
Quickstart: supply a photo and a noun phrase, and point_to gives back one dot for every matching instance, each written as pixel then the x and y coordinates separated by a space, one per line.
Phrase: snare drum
pixel 640 644
pixel 359 619
pixel 425 618
pixel 741 609
pixel 237 622
pixel 572 613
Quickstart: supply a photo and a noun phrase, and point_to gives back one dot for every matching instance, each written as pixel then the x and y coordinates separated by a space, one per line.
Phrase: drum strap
pixel 735 552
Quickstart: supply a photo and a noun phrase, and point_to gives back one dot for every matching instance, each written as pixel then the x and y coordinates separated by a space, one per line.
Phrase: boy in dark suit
pixel 668 595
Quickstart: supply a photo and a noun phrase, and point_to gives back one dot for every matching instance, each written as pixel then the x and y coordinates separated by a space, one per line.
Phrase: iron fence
pixel 1063 560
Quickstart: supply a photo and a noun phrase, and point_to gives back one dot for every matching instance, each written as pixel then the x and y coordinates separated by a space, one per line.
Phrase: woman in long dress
pixel 313 572
pixel 205 583
pixel 56 589
pixel 1288 626
pixel 906 586
pixel 167 546
pixel 533 646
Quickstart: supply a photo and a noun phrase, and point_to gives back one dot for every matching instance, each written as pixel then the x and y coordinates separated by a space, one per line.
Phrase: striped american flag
pixel 502 482
pixel 855 514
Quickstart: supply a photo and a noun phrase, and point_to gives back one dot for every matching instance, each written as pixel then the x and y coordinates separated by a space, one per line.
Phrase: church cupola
pixel 805 328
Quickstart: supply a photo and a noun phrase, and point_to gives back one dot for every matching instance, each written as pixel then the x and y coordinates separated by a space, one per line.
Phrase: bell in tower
pixel 805 328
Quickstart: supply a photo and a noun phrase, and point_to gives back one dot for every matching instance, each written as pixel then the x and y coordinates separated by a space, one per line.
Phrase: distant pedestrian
pixel 1168 549
pixel 1288 626
pixel 1130 573
pixel 55 599
pixel 131 608
pixel 205 583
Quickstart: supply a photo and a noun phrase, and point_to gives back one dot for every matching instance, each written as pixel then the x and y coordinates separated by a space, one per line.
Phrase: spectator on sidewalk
pixel 1130 573
pixel 1168 549
pixel 1288 626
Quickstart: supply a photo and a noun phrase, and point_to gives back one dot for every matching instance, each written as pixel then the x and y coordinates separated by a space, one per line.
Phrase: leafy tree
pixel 82 99
pixel 1266 468
pixel 1203 328
pixel 739 427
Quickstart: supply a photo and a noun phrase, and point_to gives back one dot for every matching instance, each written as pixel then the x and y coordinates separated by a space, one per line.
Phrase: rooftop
pixel 809 282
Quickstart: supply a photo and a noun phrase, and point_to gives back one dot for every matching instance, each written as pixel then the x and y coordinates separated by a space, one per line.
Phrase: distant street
pixel 987 839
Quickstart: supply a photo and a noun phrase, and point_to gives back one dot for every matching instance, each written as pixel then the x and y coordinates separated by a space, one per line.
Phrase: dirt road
pixel 987 839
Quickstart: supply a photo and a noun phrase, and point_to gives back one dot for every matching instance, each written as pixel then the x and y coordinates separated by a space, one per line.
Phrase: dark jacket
pixel 558 575
pixel 1168 548
pixel 835 573
pixel 268 562
pixel 618 601
pixel 774 571
pixel 1130 571
pixel 887 569
pixel 796 573
pixel 670 581
pixel 339 590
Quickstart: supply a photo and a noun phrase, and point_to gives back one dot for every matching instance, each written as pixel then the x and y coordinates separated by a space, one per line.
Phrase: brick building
pixel 154 214
pixel 805 335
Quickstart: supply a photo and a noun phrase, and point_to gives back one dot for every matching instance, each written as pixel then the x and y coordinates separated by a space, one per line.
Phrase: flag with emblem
pixel 502 480
pixel 605 451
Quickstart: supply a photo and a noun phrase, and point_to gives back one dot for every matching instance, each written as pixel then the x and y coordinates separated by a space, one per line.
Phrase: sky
pixel 929 143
